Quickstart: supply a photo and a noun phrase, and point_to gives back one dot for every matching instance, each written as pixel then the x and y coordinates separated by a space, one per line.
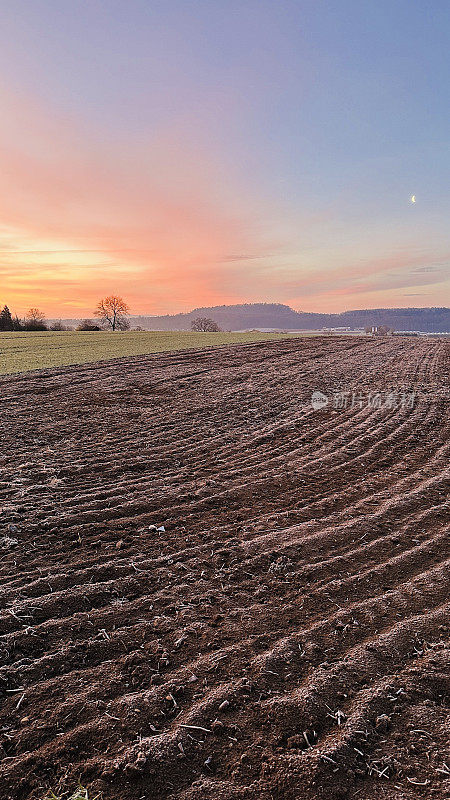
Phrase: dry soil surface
pixel 285 635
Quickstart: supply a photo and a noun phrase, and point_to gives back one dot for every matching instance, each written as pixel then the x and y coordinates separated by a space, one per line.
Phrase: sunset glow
pixel 196 155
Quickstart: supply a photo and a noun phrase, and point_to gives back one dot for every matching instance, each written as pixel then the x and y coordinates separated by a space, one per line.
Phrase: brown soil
pixel 285 636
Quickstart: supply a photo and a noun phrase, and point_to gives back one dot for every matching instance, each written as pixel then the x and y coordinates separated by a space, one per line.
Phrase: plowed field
pixel 285 635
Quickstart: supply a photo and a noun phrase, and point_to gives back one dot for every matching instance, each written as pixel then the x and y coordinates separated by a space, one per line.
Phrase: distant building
pixel 338 329
pixel 379 330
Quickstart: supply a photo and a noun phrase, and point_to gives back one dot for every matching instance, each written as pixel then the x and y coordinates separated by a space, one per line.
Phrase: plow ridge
pixel 285 632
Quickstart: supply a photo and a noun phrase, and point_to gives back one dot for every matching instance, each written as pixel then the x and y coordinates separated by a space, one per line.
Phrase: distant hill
pixel 282 317
pixel 277 315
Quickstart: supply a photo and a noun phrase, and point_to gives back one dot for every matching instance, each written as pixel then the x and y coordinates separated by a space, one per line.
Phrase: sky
pixel 187 153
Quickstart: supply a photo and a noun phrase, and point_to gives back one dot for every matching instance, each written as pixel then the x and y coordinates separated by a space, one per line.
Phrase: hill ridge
pixel 244 316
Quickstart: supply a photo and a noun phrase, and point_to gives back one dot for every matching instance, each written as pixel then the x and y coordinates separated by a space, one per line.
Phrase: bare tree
pixel 112 311
pixel 35 320
pixel 204 324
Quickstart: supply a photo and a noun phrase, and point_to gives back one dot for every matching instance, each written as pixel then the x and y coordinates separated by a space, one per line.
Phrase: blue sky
pixel 188 153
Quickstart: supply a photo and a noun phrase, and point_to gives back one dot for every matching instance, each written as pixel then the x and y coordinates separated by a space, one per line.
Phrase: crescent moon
pixel 413 198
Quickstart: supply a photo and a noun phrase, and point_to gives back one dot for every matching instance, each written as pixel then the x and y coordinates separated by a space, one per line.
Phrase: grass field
pixel 21 352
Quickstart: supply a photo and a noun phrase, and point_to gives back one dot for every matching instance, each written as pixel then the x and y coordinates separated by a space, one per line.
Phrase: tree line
pixel 111 313
pixel 34 320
